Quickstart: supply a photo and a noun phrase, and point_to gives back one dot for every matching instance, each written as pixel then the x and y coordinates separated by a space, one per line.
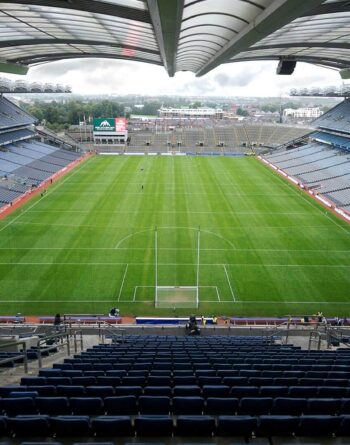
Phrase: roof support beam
pixel 278 14
pixel 97 7
pixel 166 17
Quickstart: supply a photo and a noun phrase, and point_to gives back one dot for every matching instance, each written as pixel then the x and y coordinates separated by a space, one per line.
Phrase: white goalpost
pixel 171 296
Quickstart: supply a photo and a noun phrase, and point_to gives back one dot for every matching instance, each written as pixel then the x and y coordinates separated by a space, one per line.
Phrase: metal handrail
pixel 333 332
pixel 23 354
pixel 114 331
pixel 60 336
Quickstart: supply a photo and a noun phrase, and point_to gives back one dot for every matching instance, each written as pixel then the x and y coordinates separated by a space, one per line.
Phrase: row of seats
pixel 216 404
pixel 103 390
pixel 157 380
pixel 166 426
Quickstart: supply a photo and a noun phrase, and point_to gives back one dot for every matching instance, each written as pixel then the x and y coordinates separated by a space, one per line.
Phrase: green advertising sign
pixel 104 124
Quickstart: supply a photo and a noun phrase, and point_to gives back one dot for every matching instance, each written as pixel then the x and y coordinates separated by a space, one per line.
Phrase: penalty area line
pixel 121 286
pixel 229 283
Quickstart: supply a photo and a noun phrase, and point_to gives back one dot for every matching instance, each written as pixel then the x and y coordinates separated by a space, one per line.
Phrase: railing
pixel 61 339
pixel 11 330
pixel 316 337
pixel 336 333
pixel 115 332
pixel 20 355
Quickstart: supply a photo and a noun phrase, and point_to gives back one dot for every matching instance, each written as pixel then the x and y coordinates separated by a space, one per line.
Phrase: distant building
pixel 310 113
pixel 191 113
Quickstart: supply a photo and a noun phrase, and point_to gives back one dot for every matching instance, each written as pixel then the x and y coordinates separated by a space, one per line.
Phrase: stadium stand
pixel 323 164
pixel 337 119
pixel 167 385
pixel 204 135
pixel 24 161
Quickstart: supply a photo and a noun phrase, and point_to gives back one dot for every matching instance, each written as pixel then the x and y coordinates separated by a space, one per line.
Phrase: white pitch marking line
pixel 121 286
pixel 229 283
pixel 50 191
pixel 50 263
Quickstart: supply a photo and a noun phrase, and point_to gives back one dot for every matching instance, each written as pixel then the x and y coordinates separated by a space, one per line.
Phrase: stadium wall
pixel 18 202
pixel 338 211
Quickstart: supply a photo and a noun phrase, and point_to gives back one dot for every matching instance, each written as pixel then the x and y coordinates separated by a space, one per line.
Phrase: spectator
pixel 114 312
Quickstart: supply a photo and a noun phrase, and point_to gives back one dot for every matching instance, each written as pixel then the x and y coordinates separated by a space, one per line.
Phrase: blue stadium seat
pixel 158 391
pixel 274 391
pixel 86 405
pixel 71 426
pixel 83 381
pixel 236 426
pixel 221 406
pixel 289 405
pixel 323 406
pixel 18 406
pixel 154 425
pixel 195 426
pixel 120 405
pixel 111 426
pixel 43 391
pixel 128 391
pixel 255 405
pixel 154 405
pixel 99 391
pixel 277 425
pixel 215 391
pixel 188 405
pixel 70 391
pixel 318 425
pixel 30 426
pixel 52 406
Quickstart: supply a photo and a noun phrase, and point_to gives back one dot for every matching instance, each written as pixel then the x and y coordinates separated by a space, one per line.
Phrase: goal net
pixel 176 296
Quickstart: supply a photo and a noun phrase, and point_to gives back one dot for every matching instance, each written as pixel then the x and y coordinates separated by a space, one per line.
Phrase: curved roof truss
pixel 181 35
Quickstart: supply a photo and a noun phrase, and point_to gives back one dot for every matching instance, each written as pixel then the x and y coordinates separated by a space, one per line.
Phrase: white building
pixel 191 113
pixel 311 113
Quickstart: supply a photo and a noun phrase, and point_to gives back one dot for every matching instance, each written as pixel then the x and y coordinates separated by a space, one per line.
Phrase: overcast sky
pixel 123 77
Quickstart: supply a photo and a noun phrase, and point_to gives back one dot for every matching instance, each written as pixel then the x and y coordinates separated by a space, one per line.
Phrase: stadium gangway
pixel 62 339
pixel 20 355
pixel 16 329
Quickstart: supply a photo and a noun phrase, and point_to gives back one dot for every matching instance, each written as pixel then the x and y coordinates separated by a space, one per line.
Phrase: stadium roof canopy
pixel 181 35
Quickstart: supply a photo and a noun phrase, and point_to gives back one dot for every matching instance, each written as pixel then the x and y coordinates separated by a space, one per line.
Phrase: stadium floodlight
pixel 171 296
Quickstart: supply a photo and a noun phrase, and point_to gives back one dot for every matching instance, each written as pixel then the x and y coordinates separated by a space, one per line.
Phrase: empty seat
pixel 274 391
pixel 70 391
pixel 188 405
pixel 155 425
pixel 186 390
pixel 195 426
pixel 221 405
pixel 236 426
pixel 215 391
pixel 154 404
pixel 323 406
pixel 82 381
pixel 277 425
pixel 255 405
pixel 18 406
pixel 110 426
pixel 318 425
pixel 43 391
pixel 53 406
pixel 86 405
pixel 244 391
pixel 128 391
pixel 29 426
pixel 302 391
pixel 289 405
pixel 99 391
pixel 120 405
pixel 71 426
pixel 157 391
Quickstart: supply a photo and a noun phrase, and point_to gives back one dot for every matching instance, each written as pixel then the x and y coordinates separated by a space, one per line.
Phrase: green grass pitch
pixel 88 244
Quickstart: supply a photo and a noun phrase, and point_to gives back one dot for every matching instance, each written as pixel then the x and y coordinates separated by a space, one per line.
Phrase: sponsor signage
pixel 104 124
pixel 115 125
pixel 120 124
